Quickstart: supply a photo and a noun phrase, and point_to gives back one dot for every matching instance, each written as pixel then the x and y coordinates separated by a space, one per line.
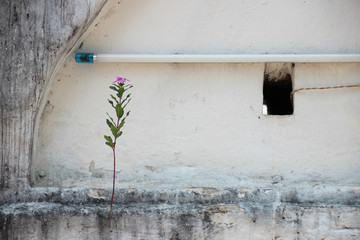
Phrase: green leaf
pixel 126 103
pixel 109 123
pixel 119 111
pixel 108 138
pixel 109 144
pixel 112 96
pixel 114 130
pixel 112 120
pixel 109 141
pixel 119 134
pixel 127 87
pixel 113 88
pixel 120 92
pixel 111 102
pixel 122 123
pixel 126 99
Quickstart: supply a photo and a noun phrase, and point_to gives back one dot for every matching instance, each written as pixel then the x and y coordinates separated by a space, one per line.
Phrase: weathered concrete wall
pixel 35 36
pixel 228 26
pixel 199 125
pixel 318 212
pixel 202 124
pixel 251 208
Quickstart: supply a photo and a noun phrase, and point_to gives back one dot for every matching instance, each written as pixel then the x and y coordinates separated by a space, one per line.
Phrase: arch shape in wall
pixel 76 44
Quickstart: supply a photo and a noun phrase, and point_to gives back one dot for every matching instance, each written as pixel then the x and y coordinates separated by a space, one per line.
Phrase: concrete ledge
pixel 302 194
pixel 317 212
pixel 184 221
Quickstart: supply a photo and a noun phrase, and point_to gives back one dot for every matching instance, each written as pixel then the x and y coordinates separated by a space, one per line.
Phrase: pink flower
pixel 121 80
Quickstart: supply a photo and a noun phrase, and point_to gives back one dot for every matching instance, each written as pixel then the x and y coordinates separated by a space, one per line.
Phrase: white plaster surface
pixel 228 26
pixel 202 124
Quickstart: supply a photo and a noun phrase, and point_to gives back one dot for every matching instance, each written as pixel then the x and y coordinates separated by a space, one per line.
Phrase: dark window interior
pixel 277 90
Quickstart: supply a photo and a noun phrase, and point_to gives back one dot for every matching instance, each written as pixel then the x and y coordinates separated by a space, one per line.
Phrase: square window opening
pixel 277 88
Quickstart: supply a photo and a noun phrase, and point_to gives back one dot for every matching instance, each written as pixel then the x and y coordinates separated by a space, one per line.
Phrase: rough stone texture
pixel 35 36
pixel 199 213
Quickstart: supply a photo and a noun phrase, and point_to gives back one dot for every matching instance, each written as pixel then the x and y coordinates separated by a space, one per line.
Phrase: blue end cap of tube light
pixel 84 58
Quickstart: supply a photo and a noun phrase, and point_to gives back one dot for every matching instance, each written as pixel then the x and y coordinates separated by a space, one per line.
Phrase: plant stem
pixel 113 191
pixel 112 196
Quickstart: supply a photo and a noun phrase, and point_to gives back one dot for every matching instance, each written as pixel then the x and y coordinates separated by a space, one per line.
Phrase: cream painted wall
pixel 202 124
